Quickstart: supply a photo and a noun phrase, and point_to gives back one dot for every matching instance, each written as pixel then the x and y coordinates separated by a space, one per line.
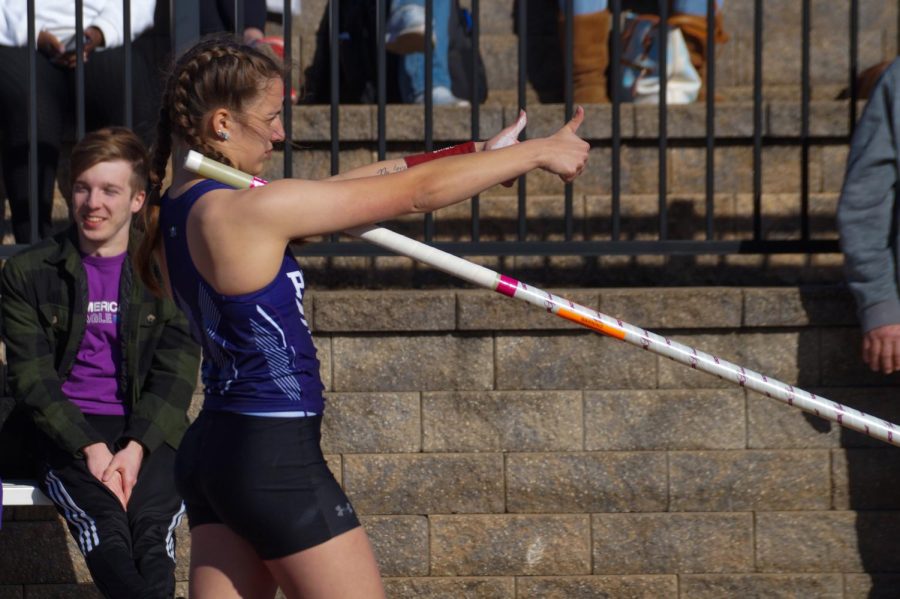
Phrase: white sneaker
pixel 442 96
pixel 405 30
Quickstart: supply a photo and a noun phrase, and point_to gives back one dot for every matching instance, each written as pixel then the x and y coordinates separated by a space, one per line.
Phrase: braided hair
pixel 216 72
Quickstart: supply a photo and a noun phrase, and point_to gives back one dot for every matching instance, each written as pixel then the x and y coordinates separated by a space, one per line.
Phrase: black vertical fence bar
pixel 710 117
pixel 804 123
pixel 757 118
pixel 32 127
pixel 616 73
pixel 334 37
pixel 854 61
pixel 522 27
pixel 429 99
pixel 381 73
pixel 475 129
pixel 287 23
pixel 129 67
pixel 570 101
pixel 239 19
pixel 79 69
pixel 662 33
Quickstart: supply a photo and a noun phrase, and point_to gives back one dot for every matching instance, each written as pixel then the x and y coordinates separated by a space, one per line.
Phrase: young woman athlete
pixel 264 509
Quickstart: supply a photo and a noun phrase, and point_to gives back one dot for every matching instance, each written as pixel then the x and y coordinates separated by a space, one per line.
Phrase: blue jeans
pixel 412 72
pixel 687 7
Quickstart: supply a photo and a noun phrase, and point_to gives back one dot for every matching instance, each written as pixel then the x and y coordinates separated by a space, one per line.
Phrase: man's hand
pixel 124 467
pixel 51 46
pixel 881 348
pixel 98 458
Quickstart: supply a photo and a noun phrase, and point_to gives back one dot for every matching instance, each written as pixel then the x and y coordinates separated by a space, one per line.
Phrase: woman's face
pixel 249 143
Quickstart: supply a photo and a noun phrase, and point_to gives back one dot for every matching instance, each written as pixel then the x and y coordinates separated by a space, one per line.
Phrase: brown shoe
pixel 590 56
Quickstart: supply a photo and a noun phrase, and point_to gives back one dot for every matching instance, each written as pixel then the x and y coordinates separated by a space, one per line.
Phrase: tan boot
pixel 590 56
pixel 694 30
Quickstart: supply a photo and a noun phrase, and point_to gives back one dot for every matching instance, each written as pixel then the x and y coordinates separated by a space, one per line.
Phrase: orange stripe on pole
pixel 591 323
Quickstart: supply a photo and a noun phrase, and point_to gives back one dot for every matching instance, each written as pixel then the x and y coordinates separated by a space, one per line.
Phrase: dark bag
pixel 459 56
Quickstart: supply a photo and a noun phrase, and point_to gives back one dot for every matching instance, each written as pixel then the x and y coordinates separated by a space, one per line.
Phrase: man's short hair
pixel 110 144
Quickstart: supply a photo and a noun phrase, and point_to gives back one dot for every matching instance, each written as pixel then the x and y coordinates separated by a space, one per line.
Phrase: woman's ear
pixel 220 124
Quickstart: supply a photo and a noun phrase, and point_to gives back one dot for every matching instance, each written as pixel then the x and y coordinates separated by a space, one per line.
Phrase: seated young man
pixel 106 372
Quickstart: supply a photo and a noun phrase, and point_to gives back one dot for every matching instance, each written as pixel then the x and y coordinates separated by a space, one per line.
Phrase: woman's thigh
pixel 224 565
pixel 343 567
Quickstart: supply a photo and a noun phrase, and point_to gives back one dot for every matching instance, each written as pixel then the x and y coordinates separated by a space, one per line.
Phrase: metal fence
pixel 184 30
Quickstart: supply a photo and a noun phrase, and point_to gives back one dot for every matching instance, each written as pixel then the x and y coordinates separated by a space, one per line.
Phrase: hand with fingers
pixel 124 467
pixel 568 153
pixel 881 348
pixel 98 458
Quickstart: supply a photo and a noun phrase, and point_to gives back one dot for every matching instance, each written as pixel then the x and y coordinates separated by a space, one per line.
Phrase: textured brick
pixel 482 587
pixel 827 541
pixel 63 591
pixel 590 587
pixel 672 543
pixel 719 481
pixel 498 220
pixel 871 586
pixel 424 484
pixel 406 122
pixel 673 308
pixel 826 118
pixel 733 171
pixel 586 482
pixel 506 545
pixel 366 311
pixel 400 544
pixel 665 419
pixel 313 123
pixel 371 423
pixel 589 361
pixel 842 365
pixel 11 592
pixel 315 162
pixel 39 553
pixel 866 479
pixel 426 363
pixel 790 357
pixel 689 120
pixel 502 421
pixel 834 166
pixel 793 306
pixel 481 310
pixel 770 586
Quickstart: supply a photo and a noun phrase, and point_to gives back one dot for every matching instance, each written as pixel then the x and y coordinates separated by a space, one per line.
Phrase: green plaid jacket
pixel 44 299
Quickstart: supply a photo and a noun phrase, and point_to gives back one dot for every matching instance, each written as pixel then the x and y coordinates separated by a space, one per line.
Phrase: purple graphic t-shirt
pixel 93 383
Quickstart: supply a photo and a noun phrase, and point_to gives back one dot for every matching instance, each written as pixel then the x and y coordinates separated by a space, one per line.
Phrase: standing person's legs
pixel 590 49
pixel 412 66
pixel 53 102
pixel 154 511
pixel 342 567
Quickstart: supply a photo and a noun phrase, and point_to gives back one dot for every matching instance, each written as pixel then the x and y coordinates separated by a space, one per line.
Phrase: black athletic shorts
pixel 265 478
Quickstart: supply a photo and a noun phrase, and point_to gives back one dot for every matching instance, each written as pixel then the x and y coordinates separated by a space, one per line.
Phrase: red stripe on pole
pixel 507 286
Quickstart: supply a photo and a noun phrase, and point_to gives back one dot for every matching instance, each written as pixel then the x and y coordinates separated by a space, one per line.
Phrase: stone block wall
pixel 497 452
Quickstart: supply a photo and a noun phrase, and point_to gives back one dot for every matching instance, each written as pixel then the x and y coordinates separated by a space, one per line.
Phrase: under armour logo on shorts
pixel 343 509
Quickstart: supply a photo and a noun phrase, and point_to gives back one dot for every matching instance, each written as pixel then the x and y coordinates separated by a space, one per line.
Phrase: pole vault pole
pixel 483 277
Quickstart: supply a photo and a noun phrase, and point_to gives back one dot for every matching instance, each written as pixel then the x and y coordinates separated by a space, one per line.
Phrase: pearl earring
pixel 223 134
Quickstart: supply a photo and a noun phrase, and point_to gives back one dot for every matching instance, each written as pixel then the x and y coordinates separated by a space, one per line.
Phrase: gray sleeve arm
pixel 867 208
